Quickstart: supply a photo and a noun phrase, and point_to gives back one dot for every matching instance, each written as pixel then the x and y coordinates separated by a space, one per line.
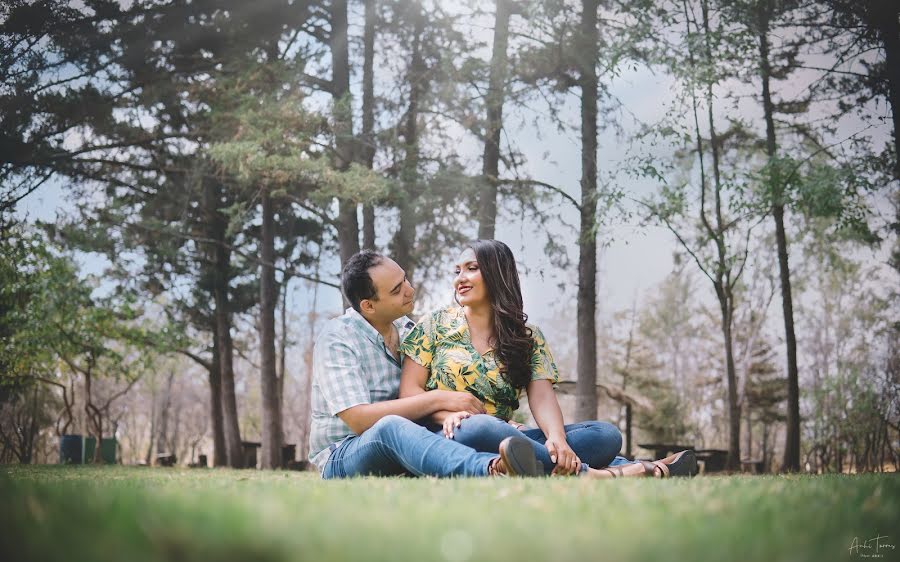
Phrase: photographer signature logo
pixel 871 548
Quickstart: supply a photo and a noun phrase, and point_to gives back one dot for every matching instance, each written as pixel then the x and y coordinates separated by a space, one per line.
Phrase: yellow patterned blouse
pixel 441 343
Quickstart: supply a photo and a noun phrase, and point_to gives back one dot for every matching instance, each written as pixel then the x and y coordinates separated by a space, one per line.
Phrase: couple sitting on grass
pixel 448 413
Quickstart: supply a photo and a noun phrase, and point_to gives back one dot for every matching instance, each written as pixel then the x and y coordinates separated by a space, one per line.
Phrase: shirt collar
pixel 403 325
pixel 459 328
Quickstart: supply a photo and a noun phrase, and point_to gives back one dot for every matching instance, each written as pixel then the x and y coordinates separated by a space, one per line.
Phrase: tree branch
pixel 547 186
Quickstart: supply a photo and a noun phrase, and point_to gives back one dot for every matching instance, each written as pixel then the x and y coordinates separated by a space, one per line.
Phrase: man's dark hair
pixel 356 283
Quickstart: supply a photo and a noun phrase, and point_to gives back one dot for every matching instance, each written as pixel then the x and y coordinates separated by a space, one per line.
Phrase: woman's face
pixel 469 285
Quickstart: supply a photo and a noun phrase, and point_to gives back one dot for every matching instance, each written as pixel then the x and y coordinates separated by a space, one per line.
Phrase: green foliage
pixel 49 315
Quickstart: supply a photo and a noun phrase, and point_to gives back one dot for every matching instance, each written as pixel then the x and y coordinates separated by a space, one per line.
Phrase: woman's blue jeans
pixel 397 446
pixel 596 443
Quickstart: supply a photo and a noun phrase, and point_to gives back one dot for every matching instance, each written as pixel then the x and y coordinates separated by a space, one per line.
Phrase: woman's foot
pixel 631 470
pixel 682 463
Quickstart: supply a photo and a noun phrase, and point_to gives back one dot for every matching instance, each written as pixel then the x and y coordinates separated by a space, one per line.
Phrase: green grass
pixel 148 514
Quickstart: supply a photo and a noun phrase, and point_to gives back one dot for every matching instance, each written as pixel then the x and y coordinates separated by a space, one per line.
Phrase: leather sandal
pixel 615 471
pixel 650 468
pixel 683 463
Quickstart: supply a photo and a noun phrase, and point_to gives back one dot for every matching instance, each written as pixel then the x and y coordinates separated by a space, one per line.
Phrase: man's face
pixel 394 295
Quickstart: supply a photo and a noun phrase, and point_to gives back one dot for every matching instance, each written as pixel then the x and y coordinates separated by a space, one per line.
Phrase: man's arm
pixel 347 394
pixel 364 416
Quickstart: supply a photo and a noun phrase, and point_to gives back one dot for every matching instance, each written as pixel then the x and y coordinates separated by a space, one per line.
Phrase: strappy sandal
pixel 615 471
pixel 651 466
pixel 683 463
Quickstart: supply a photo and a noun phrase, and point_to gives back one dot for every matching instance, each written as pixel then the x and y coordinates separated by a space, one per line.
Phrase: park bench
pixel 662 450
pixel 165 459
pixel 713 459
pixel 753 466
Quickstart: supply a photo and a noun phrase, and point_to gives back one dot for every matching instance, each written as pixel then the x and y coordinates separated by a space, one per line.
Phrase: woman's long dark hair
pixel 514 343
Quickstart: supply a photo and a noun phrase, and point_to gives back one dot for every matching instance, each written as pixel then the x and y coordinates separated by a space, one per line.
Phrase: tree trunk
pixel 749 443
pixel 487 208
pixel 32 431
pixel 733 461
pixel 219 457
pixel 792 436
pixel 148 458
pixel 270 452
pixel 628 431
pixel 586 385
pixel 368 115
pixel 220 279
pixel 405 238
pixel 282 351
pixel 889 32
pixel 162 433
pixel 95 422
pixel 348 233
pixel 233 449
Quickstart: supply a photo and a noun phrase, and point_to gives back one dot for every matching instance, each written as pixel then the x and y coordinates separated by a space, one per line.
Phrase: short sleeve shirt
pixel 442 344
pixel 351 366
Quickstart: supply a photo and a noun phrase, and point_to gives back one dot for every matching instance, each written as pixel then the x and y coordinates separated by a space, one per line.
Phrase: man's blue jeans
pixel 596 443
pixel 397 446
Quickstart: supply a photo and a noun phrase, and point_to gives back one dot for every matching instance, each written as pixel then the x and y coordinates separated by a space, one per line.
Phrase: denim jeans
pixel 397 446
pixel 596 443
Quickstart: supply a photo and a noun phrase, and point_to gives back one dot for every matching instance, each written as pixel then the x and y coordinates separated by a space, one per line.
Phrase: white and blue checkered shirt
pixel 351 366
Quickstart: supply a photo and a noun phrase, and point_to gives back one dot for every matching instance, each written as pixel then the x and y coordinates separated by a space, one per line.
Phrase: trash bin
pixel 107 450
pixel 70 449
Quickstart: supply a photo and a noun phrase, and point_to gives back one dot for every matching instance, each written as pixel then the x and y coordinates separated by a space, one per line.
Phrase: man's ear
pixel 366 306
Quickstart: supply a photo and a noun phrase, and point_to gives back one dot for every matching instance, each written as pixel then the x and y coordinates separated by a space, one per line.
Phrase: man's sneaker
pixel 516 459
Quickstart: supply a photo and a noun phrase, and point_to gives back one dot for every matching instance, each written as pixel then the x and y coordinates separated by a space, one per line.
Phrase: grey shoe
pixel 516 459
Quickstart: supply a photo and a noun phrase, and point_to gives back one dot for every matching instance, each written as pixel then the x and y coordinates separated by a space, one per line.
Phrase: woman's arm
pixel 545 409
pixel 412 378
pixel 412 383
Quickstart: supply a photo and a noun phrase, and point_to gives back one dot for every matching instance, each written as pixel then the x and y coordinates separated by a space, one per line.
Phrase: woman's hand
pixel 453 421
pixel 517 425
pixel 565 459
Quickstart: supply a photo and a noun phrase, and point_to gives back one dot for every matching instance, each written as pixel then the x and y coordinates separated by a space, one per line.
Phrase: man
pixel 359 426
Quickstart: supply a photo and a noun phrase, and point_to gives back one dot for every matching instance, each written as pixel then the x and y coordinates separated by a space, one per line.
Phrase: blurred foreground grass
pixel 153 514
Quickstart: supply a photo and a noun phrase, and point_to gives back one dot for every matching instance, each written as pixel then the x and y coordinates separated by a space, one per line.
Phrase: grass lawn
pixel 135 514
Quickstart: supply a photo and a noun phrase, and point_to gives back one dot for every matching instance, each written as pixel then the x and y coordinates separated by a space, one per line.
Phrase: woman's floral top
pixel 441 343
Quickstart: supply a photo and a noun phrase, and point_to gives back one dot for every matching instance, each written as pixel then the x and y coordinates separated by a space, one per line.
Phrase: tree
pixel 271 150
pixel 851 30
pixel 765 14
pixel 487 204
pixel 56 319
pixel 725 217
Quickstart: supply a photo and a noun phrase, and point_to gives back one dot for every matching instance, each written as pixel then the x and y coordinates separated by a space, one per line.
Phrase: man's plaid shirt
pixel 351 366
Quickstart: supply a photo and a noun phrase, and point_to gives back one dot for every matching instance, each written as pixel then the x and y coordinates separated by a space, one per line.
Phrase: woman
pixel 484 346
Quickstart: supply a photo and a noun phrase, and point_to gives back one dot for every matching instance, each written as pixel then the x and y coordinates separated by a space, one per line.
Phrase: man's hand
pixel 453 421
pixel 454 401
pixel 565 459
